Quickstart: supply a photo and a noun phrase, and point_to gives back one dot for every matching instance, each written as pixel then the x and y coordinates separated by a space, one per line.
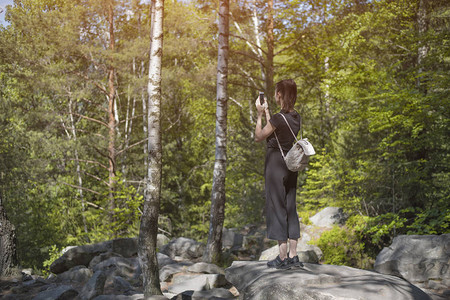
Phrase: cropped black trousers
pixel 280 187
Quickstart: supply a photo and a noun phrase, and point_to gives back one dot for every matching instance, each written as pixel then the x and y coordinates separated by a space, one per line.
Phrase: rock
pixel 255 281
pixel 102 257
pixel 416 258
pixel 166 272
pixel 213 294
pixel 26 277
pixel 184 248
pixel 219 293
pixel 309 256
pixel 27 271
pixel 82 255
pixel 78 274
pixel 163 260
pixel 161 240
pixel 63 292
pixel 94 287
pixel 198 283
pixel 121 286
pixel 328 217
pixel 127 247
pixel 125 297
pixel 311 232
pixel 231 239
pixel 127 268
pixel 421 259
pixel 306 253
pixel 77 256
pixel 203 267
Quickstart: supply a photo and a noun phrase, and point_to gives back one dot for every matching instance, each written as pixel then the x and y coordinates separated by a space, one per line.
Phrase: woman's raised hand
pixel 260 108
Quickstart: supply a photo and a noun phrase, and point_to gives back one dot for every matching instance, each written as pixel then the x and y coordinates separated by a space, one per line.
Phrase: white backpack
pixel 298 157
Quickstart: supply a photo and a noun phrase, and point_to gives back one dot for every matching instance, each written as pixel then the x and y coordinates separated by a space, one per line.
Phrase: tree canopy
pixel 373 90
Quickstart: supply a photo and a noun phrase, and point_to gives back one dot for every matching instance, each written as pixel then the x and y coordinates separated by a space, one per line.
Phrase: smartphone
pixel 261 98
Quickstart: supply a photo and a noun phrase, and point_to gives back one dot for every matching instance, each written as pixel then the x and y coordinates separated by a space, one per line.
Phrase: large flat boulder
pixel 305 252
pixel 79 256
pixel 328 217
pixel 254 280
pixel 83 255
pixel 421 259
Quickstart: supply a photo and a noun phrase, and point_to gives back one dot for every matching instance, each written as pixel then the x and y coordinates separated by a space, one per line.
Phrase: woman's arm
pixel 262 133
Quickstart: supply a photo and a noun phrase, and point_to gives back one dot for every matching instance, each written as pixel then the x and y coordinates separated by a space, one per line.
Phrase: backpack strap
pixel 291 128
pixel 279 145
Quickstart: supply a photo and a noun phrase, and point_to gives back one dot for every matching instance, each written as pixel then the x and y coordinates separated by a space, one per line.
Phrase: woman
pixel 280 183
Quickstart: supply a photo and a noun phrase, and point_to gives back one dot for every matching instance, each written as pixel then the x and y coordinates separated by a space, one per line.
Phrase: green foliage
pixel 378 119
pixel 341 246
pixel 433 221
pixel 54 253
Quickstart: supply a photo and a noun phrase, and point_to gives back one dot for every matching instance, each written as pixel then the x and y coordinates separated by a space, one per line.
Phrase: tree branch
pixel 289 46
pixel 80 188
pixel 91 162
pixel 235 101
pixel 95 177
pixel 135 144
pixel 101 88
pixel 249 42
pixel 249 56
pixel 91 119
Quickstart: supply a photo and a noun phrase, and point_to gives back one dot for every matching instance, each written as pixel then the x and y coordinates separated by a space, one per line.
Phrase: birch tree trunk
pixel 214 244
pixel 111 116
pixel 423 48
pixel 78 168
pixel 149 220
pixel 270 90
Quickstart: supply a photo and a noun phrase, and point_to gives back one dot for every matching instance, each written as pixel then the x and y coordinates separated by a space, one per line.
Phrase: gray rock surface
pixel 161 240
pixel 128 268
pixel 166 272
pixel 255 281
pixel 183 248
pixel 126 247
pixel 306 253
pixel 421 259
pixel 328 217
pixel 219 293
pixel 198 283
pixel 232 239
pixel 94 287
pixel 102 257
pixel 77 256
pixel 62 292
pixel 122 286
pixel 78 274
pixel 125 297
pixel 203 267
pixel 163 260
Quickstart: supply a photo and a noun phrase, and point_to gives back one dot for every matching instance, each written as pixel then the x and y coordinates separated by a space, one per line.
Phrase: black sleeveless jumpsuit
pixel 280 183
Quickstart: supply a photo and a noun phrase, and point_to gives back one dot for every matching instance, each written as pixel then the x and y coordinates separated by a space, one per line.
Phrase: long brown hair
pixel 288 90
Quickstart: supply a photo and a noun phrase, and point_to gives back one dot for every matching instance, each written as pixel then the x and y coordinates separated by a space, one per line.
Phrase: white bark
pixel 423 47
pixel 149 220
pixel 78 168
pixel 217 216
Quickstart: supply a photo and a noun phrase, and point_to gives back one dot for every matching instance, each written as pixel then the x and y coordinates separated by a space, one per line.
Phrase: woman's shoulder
pixel 276 119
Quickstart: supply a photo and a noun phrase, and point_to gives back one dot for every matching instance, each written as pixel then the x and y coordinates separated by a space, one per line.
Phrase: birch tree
pixel 149 220
pixel 217 216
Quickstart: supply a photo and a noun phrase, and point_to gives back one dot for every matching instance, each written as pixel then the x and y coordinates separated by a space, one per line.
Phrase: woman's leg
pixel 282 245
pixel 292 248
